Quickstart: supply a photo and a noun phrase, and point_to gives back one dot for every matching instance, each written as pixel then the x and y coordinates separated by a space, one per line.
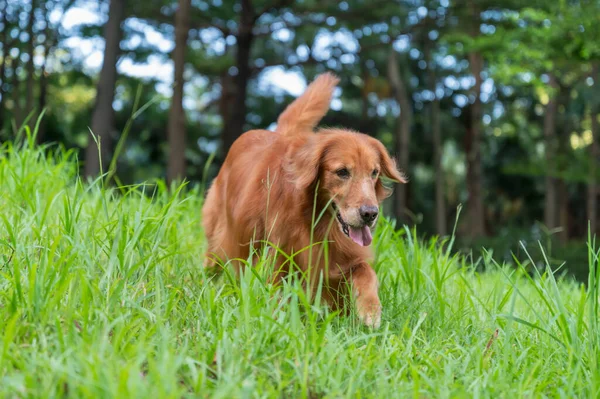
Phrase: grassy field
pixel 102 294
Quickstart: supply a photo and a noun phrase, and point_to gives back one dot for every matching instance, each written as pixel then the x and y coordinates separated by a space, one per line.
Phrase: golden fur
pixel 272 183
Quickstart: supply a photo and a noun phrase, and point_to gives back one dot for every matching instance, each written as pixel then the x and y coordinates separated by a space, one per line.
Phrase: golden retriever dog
pixel 312 195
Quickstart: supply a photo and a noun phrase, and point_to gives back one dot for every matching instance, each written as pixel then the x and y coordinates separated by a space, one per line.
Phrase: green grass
pixel 102 294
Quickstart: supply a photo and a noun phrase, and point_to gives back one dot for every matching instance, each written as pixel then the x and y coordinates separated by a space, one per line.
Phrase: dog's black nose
pixel 368 213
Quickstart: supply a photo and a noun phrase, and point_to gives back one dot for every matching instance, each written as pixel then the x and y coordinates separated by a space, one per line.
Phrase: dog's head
pixel 347 168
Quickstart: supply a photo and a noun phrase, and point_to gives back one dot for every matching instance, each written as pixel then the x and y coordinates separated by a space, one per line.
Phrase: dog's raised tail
pixel 307 110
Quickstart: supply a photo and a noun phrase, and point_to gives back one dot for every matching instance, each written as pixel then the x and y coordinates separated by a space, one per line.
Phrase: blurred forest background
pixel 489 104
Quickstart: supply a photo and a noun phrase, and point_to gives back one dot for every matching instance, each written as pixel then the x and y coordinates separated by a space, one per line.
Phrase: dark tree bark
pixel 52 36
pixel 402 132
pixel 364 94
pixel 43 82
pixel 4 40
pixel 29 99
pixel 476 214
pixel 592 206
pixel 16 92
pixel 549 129
pixel 563 210
pixel 234 125
pixel 562 186
pixel 176 129
pixel 440 201
pixel 235 113
pixel 104 114
pixel 226 99
pixel 42 99
pixel 592 195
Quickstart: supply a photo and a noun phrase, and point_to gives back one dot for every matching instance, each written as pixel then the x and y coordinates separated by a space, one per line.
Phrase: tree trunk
pixel 364 94
pixel 2 92
pixel 563 210
pixel 226 99
pixel 592 194
pixel 549 128
pixel 42 99
pixel 440 201
pixel 30 65
pixel 104 114
pixel 5 50
pixel 562 186
pixel 43 82
pixel 403 128
pixel 176 129
pixel 234 126
pixel 17 113
pixel 476 214
pixel 51 40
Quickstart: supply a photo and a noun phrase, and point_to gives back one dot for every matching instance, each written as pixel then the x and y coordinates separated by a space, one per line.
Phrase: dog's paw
pixel 372 320
pixel 369 313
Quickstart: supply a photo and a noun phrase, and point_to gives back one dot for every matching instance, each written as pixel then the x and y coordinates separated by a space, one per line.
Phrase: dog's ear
pixel 303 165
pixel 388 170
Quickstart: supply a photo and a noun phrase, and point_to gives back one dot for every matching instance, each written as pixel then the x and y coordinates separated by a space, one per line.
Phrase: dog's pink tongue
pixel 361 236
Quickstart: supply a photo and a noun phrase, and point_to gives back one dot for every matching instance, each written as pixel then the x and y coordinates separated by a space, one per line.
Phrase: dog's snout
pixel 368 213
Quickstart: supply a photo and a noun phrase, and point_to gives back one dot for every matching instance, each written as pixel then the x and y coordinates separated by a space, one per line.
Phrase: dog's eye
pixel 343 173
pixel 375 173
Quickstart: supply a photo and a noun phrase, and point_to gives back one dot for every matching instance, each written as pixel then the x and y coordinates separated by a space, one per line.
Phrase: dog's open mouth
pixel 360 235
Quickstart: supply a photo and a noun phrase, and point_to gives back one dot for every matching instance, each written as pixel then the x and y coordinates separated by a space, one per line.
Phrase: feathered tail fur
pixel 307 110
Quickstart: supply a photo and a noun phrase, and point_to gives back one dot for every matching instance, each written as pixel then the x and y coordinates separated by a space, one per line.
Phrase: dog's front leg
pixel 364 288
